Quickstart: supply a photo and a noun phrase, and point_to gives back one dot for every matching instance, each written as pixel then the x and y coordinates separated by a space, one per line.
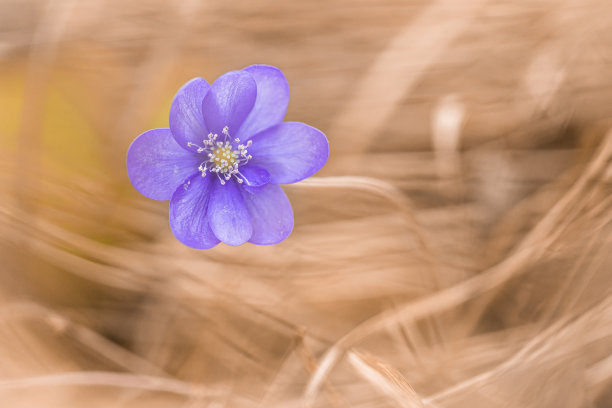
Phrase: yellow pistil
pixel 224 157
pixel 221 158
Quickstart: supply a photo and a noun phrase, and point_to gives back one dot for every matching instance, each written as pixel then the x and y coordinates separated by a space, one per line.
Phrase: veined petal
pixel 156 164
pixel 229 101
pixel 254 176
pixel 271 103
pixel 186 119
pixel 227 213
pixel 290 151
pixel 271 214
pixel 189 209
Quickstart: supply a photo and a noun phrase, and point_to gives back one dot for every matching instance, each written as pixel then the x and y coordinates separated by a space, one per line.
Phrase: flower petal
pixel 186 119
pixel 271 103
pixel 271 214
pixel 227 213
pixel 156 164
pixel 254 176
pixel 229 101
pixel 188 213
pixel 290 151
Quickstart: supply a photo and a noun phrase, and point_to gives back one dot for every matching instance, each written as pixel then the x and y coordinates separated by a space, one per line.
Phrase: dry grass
pixel 454 252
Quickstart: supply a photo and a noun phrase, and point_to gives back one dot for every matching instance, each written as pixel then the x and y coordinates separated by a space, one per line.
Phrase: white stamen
pixel 223 158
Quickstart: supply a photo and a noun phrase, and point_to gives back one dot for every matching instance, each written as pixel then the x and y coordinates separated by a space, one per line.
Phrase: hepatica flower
pixel 221 161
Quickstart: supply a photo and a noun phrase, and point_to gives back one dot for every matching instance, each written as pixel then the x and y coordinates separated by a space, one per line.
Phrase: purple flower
pixel 221 161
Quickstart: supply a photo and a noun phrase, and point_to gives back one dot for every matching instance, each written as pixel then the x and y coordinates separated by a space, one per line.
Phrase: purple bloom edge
pixel 221 161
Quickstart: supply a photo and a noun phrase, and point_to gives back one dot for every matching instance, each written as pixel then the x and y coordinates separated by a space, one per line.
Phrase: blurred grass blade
pixel 385 378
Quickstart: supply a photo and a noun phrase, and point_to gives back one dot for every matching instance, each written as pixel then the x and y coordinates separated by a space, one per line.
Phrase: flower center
pixel 223 158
